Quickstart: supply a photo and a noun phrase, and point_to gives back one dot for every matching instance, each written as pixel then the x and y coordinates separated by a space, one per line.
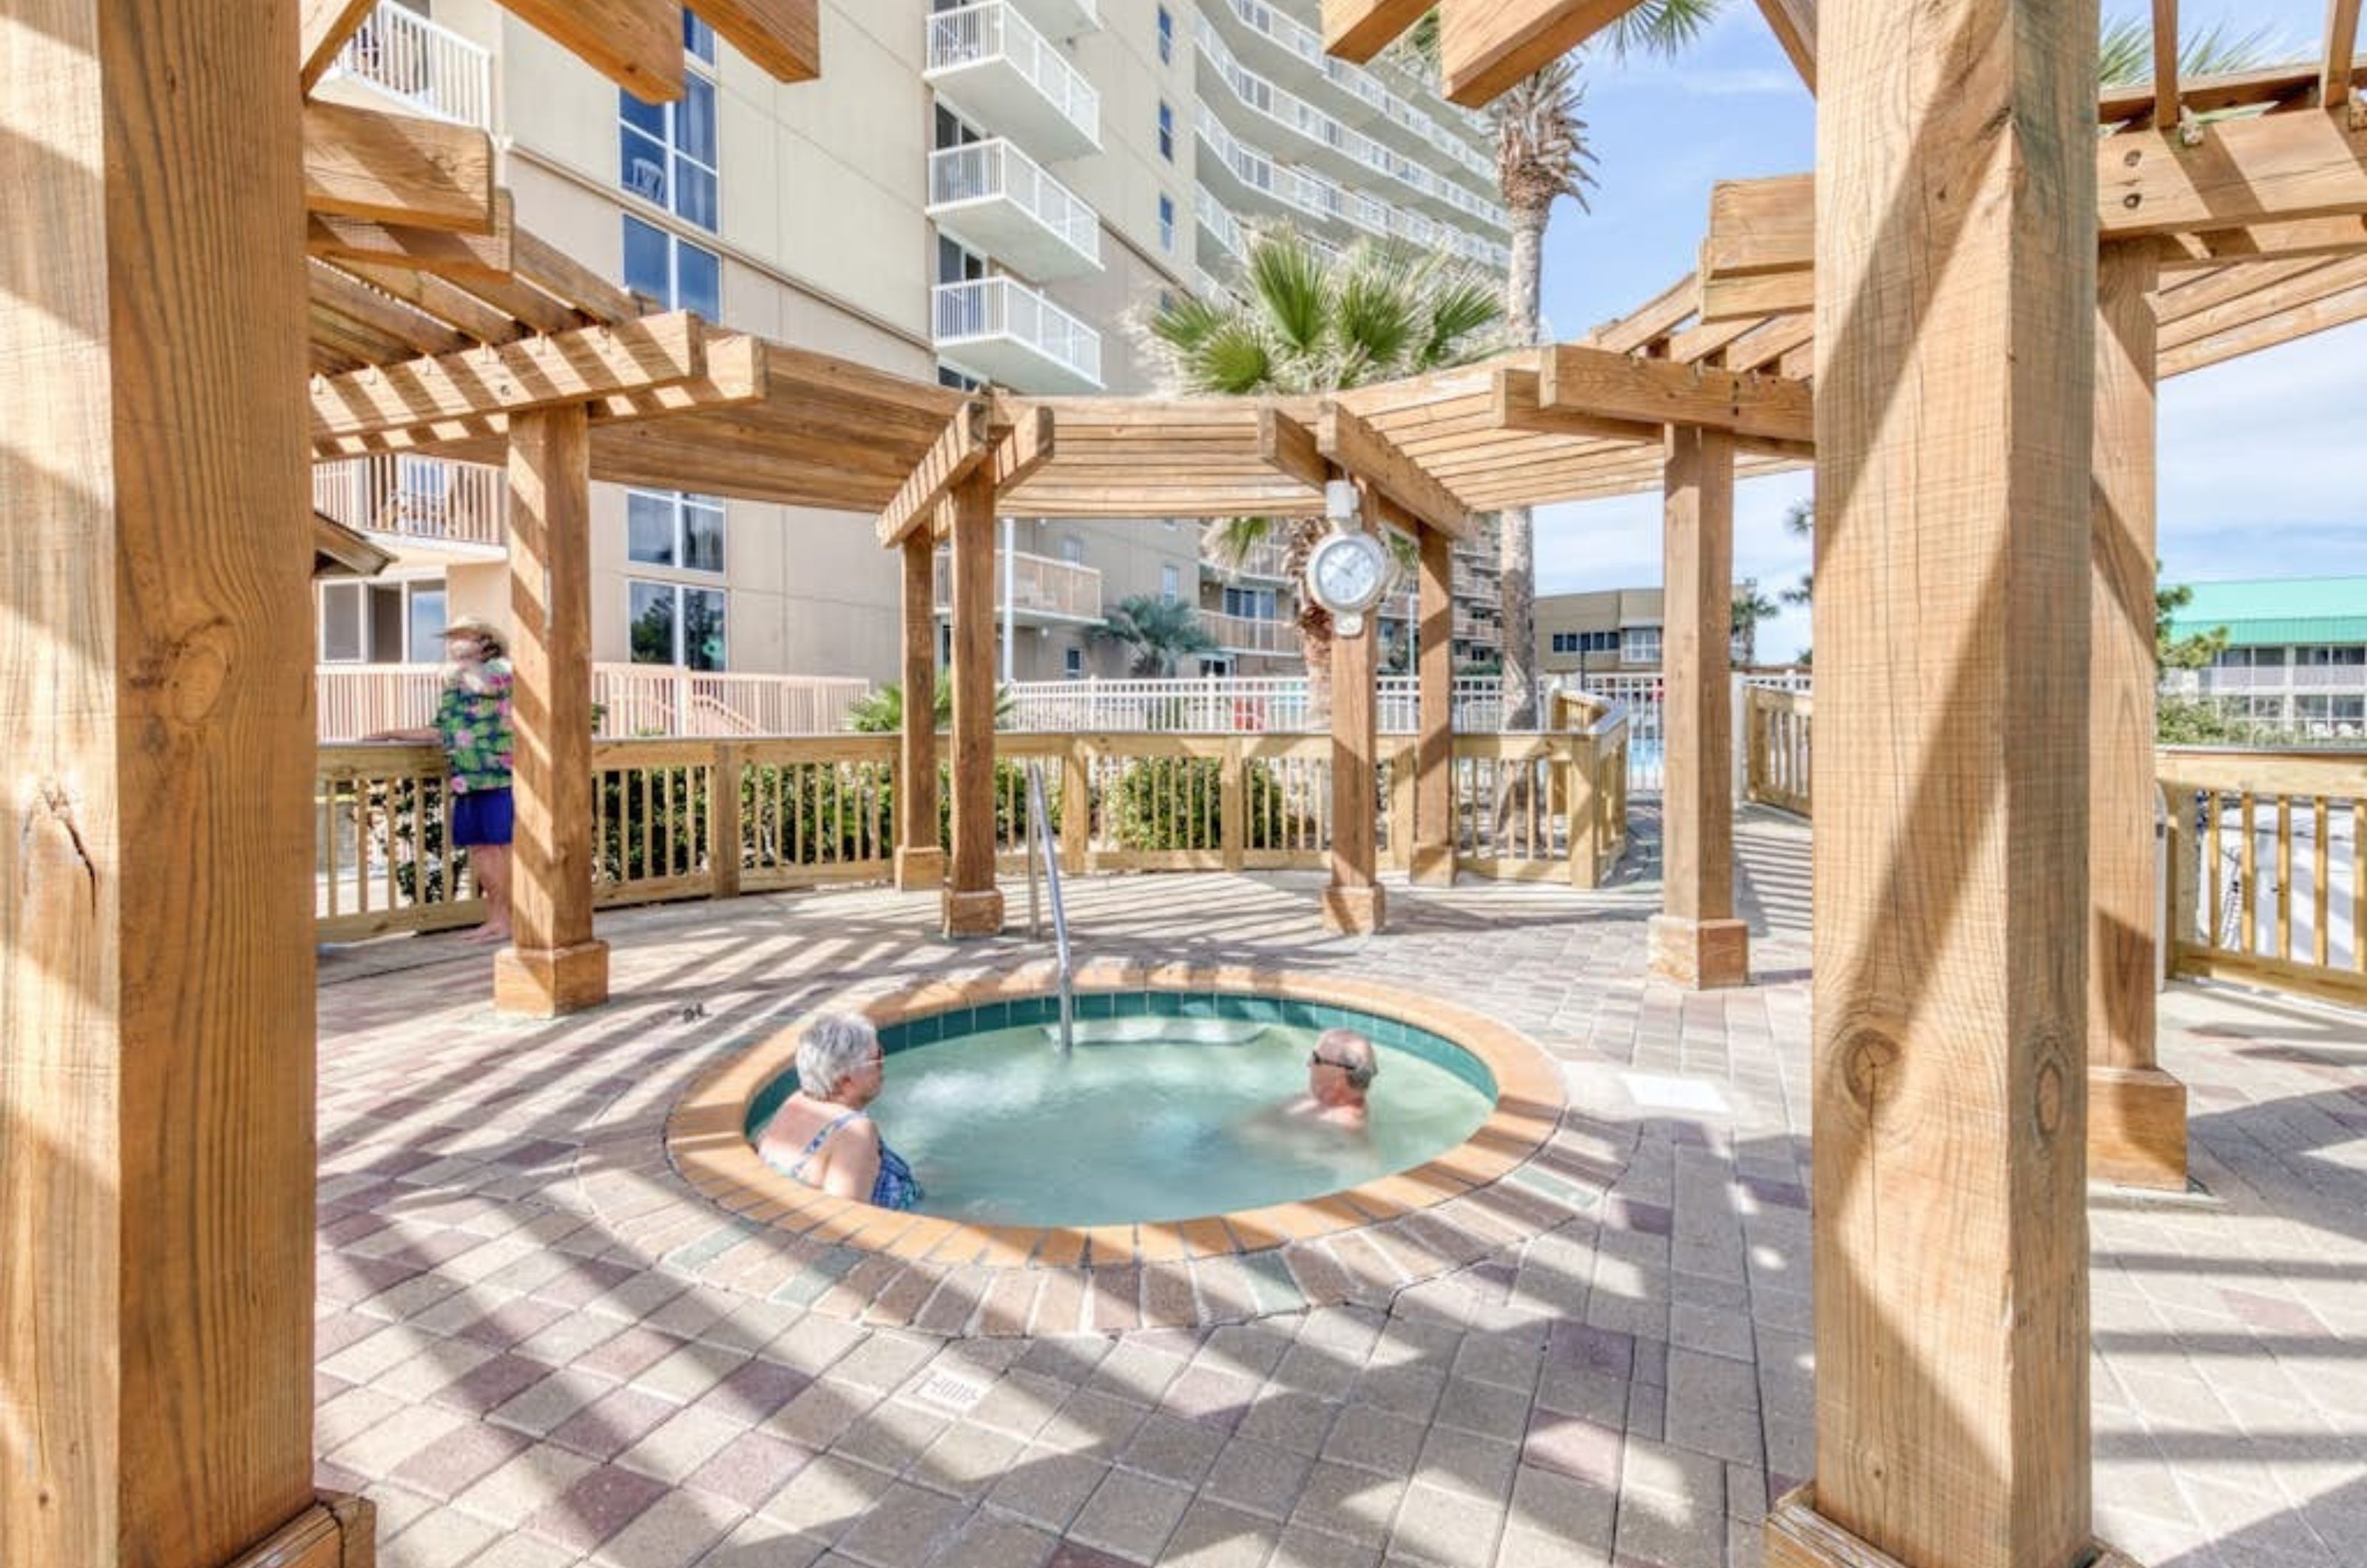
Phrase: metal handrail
pixel 1042 848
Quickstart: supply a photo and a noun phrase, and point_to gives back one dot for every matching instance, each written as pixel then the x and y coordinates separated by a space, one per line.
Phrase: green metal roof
pixel 2270 612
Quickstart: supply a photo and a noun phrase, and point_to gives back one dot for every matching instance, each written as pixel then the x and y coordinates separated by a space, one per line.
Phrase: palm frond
pixel 1289 281
pixel 1229 541
pixel 2125 55
pixel 1662 27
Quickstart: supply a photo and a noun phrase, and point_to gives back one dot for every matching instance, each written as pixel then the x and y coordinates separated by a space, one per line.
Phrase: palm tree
pixel 1542 155
pixel 1800 522
pixel 1309 320
pixel 2126 55
pixel 1161 632
pixel 1750 608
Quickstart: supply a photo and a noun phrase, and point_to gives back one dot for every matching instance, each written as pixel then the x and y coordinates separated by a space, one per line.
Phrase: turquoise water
pixel 1001 1130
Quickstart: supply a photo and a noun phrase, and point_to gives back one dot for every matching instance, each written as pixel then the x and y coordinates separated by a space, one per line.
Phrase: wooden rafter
pixel 635 43
pixel 484 258
pixel 952 458
pixel 2335 76
pixel 1618 386
pixel 1289 447
pixel 1518 407
pixel 1793 22
pixel 2315 282
pixel 2165 65
pixel 396 168
pixel 1359 29
pixel 2302 320
pixel 1654 320
pixel 1021 452
pixel 2263 242
pixel 1485 49
pixel 2271 87
pixel 783 36
pixel 1351 443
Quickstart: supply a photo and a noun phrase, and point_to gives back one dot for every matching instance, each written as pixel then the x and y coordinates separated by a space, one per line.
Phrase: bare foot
pixel 487 936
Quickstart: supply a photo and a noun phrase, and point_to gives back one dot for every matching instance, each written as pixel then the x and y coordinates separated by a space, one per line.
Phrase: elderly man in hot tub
pixel 823 1135
pixel 1338 1074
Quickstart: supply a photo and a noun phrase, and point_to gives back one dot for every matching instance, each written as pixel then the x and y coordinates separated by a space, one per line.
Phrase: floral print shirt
pixel 475 729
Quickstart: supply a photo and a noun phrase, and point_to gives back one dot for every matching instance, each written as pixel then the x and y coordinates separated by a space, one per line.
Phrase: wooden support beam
pixel 1353 445
pixel 568 367
pixel 323 26
pixel 1353 901
pixel 555 966
pixel 1695 942
pixel 434 295
pixel 2335 76
pixel 2136 1122
pixel 2274 87
pixel 1955 356
pixel 783 36
pixel 920 858
pixel 1024 450
pixel 1431 859
pixel 1520 406
pixel 341 294
pixel 1484 48
pixel 2165 65
pixel 2303 321
pixel 953 458
pixel 563 278
pixel 2321 280
pixel 1288 447
pixel 157 1086
pixel 1793 23
pixel 464 258
pixel 972 905
pixel 2340 236
pixel 1359 29
pixel 1618 386
pixel 1661 316
pixel 635 43
pixel 398 168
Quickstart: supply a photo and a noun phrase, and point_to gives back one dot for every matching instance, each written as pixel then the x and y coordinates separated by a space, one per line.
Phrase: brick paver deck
pixel 538 1346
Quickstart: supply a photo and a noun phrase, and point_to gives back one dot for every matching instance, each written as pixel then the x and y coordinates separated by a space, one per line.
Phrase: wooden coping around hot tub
pixel 707 1138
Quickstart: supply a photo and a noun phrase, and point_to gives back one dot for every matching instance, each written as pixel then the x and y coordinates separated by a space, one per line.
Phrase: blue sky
pixel 2263 460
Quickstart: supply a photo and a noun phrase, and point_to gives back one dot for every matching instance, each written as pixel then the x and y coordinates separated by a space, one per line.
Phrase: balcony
pixel 1242 633
pixel 1039 590
pixel 427 69
pixel 1000 330
pixel 987 61
pixel 431 508
pixel 1062 19
pixel 993 198
pixel 1262 563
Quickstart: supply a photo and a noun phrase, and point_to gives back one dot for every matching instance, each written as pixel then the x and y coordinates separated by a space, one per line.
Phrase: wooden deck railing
pixel 2268 858
pixel 1776 742
pixel 811 811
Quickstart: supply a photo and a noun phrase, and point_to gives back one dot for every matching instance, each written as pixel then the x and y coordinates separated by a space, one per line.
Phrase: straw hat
pixel 470 626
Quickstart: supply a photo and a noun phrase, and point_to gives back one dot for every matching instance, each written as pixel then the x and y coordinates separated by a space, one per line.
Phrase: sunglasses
pixel 1318 1059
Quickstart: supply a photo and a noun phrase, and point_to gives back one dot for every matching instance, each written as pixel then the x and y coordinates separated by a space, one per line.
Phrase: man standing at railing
pixel 472 725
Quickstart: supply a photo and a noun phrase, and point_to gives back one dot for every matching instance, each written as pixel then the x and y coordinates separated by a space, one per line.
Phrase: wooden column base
pixel 1431 865
pixel 1353 911
pixel 2136 1127
pixel 973 914
pixel 919 870
pixel 337 1532
pixel 551 981
pixel 1796 1535
pixel 1701 955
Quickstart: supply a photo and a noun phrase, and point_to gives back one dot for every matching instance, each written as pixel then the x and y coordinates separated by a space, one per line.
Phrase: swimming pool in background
pixel 1004 1130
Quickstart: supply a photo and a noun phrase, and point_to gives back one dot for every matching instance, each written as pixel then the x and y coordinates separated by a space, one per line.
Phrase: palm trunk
pixel 1516 538
pixel 1314 625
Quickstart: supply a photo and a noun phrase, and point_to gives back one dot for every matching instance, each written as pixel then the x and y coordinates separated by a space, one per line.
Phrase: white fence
pixel 431 69
pixel 355 700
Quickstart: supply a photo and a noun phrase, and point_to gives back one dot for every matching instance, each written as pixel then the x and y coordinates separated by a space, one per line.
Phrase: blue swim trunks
pixel 481 817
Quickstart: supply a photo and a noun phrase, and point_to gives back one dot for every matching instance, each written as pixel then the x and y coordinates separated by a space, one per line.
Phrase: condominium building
pixel 983 194
pixel 1613 631
pixel 2296 652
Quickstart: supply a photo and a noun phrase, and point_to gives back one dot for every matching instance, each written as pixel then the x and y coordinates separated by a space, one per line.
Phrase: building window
pixel 666 151
pixel 1167 132
pixel 675 624
pixel 1166 222
pixel 960 381
pixel 1598 642
pixel 1565 642
pixel 675 528
pixel 382 623
pixel 2323 657
pixel 1170 583
pixel 1166 36
pixel 1255 603
pixel 956 263
pixel 1073 663
pixel 1072 549
pixel 671 270
pixel 1641 645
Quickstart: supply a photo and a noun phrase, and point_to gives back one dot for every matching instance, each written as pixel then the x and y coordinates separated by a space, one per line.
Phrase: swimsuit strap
pixel 797 1171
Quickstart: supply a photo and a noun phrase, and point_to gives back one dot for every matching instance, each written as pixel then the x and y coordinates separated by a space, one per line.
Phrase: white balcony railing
pixel 974 316
pixel 431 69
pixel 976 35
pixel 998 171
pixel 1295 36
pixel 433 500
pixel 1246 634
pixel 355 700
pixel 1039 588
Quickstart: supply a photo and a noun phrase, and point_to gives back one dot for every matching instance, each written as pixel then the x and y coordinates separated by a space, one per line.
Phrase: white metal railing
pixel 1215 219
pixel 972 34
pixel 1226 704
pixel 1038 585
pixel 417 498
pixel 1003 307
pixel 996 170
pixel 1251 634
pixel 1268 560
pixel 430 68
pixel 355 700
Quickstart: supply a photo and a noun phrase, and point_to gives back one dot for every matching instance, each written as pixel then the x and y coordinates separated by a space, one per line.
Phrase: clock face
pixel 1348 573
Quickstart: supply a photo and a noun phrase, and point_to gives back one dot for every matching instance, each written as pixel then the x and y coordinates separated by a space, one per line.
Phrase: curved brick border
pixel 1503 1185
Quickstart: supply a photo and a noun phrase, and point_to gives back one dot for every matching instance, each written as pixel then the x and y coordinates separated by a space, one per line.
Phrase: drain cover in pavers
pixel 1655 1091
pixel 950 1391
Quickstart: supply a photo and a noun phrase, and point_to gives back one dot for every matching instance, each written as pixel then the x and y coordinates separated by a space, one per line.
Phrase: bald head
pixel 1351 1053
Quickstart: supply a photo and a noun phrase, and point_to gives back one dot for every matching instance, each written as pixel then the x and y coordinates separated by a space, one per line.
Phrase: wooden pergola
pixel 1425 455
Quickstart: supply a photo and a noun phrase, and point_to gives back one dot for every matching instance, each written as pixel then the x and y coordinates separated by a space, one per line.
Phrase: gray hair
pixel 835 1046
pixel 1347 1045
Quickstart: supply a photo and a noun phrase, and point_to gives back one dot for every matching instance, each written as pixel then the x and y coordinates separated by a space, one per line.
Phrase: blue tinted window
pixel 698 38
pixel 648 269
pixel 699 280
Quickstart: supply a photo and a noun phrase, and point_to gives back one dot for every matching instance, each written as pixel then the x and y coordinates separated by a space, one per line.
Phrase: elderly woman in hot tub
pixel 823 1135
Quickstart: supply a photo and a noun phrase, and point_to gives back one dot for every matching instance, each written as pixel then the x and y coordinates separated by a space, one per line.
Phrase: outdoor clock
pixel 1348 573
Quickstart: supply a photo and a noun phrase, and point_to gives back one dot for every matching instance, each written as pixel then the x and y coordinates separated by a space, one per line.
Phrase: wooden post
pixel 2137 1113
pixel 1432 860
pixel 1232 804
pixel 1955 314
pixel 1695 940
pixel 554 966
pixel 157 1067
pixel 972 904
pixel 920 859
pixel 1353 904
pixel 724 827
